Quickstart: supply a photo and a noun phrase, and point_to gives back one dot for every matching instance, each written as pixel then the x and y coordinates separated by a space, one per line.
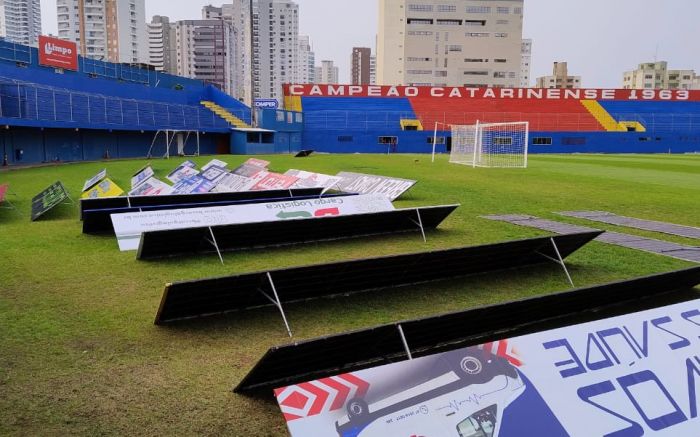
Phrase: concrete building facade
pixel 327 73
pixel 360 65
pixel 305 71
pixel 525 61
pixel 656 75
pixel 109 30
pixel 205 50
pixel 161 44
pixel 560 78
pixel 471 43
pixel 20 21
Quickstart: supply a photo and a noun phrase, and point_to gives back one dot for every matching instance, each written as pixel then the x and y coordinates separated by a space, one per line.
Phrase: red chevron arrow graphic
pixel 362 386
pixel 343 392
pixel 321 396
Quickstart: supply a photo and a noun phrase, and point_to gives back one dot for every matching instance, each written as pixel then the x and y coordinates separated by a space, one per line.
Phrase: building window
pixel 478 9
pixel 438 140
pixel 419 21
pixel 502 141
pixel 503 10
pixel 449 22
pixel 475 60
pixel 387 140
pixel 420 8
pixel 447 8
pixel 410 59
pixel 454 48
pixel 476 73
pixel 479 23
pixel 500 35
pixel 477 34
pixel 345 139
pixel 542 141
pixel 419 71
pixel 420 33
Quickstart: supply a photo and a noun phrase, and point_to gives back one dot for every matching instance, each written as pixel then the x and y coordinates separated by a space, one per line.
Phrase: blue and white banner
pixel 633 375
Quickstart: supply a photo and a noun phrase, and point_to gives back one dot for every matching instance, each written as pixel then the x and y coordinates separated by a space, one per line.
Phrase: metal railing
pixel 27 101
pixel 372 120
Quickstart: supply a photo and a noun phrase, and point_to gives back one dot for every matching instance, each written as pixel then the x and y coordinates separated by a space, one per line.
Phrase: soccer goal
pixel 502 145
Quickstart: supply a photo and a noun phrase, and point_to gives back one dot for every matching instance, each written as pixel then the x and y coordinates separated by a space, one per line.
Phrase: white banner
pixel 95 180
pixel 181 173
pixel 142 176
pixel 151 187
pixel 214 163
pixel 313 180
pixel 129 227
pixel 633 375
pixel 231 183
pixel 365 184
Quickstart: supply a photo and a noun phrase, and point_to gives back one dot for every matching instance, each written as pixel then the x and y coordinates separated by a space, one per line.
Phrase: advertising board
pixel 635 374
pixel 129 227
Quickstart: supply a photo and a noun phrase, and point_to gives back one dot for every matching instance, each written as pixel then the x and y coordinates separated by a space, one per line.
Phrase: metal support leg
pixel 559 260
pixel 405 343
pixel 278 304
pixel 325 190
pixel 419 223
pixel 128 201
pixel 216 246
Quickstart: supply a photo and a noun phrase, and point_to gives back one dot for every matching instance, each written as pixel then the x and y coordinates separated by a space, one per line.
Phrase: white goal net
pixel 501 145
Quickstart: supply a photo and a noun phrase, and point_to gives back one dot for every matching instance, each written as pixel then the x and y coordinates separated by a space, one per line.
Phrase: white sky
pixel 600 39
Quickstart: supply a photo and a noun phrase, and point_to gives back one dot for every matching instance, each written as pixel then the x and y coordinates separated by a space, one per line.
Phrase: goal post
pixel 492 145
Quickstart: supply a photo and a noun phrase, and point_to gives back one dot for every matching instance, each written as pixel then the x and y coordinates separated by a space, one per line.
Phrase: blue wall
pixel 45 145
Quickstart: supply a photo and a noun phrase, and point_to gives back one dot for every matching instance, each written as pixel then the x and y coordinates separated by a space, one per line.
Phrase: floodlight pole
pixel 405 343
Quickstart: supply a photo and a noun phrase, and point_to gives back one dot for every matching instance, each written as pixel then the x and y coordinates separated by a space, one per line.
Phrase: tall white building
pixel 161 45
pixel 275 46
pixel 305 71
pixel 20 21
pixel 560 78
pixel 109 30
pixel 656 75
pixel 327 73
pixel 450 42
pixel 205 50
pixel 525 61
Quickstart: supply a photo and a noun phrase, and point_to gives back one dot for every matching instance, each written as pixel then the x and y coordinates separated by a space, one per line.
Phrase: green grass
pixel 79 353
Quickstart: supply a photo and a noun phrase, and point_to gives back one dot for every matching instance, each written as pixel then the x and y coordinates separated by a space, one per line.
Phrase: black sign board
pixel 357 350
pixel 191 241
pixel 303 153
pixel 48 199
pixel 185 300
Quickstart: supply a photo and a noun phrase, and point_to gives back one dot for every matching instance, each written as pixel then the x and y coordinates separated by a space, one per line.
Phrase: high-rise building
pixel 373 70
pixel 450 43
pixel 205 50
pixel 656 75
pixel 560 78
pixel 360 65
pixel 327 73
pixel 525 60
pixel 110 30
pixel 275 46
pixel 20 21
pixel 161 44
pixel 305 72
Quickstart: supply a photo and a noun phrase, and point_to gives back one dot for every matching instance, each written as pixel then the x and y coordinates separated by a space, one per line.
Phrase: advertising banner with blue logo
pixel 632 375
pixel 266 103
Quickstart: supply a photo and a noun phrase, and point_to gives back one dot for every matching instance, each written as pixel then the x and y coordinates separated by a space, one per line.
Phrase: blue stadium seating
pixel 657 116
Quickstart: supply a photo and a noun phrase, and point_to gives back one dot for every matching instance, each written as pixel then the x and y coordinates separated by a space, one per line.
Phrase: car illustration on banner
pixel 461 393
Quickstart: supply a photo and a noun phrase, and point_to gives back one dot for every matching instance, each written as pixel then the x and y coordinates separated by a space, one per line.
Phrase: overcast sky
pixel 600 39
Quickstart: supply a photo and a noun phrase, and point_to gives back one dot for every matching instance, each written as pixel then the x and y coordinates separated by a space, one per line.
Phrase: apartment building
pixel 305 71
pixel 525 61
pixel 109 30
pixel 20 21
pixel 205 50
pixel 360 65
pixel 327 73
pixel 471 43
pixel 560 78
pixel 161 44
pixel 656 75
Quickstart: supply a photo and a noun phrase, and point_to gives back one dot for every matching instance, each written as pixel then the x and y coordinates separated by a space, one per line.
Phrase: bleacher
pixel 105 95
pixel 355 113
pixel 656 116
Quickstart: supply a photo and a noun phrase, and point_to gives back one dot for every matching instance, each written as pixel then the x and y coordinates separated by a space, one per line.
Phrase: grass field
pixel 79 353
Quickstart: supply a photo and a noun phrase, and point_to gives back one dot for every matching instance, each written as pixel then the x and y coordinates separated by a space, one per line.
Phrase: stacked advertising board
pixel 130 226
pixel 364 183
pixel 581 365
pixel 48 199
